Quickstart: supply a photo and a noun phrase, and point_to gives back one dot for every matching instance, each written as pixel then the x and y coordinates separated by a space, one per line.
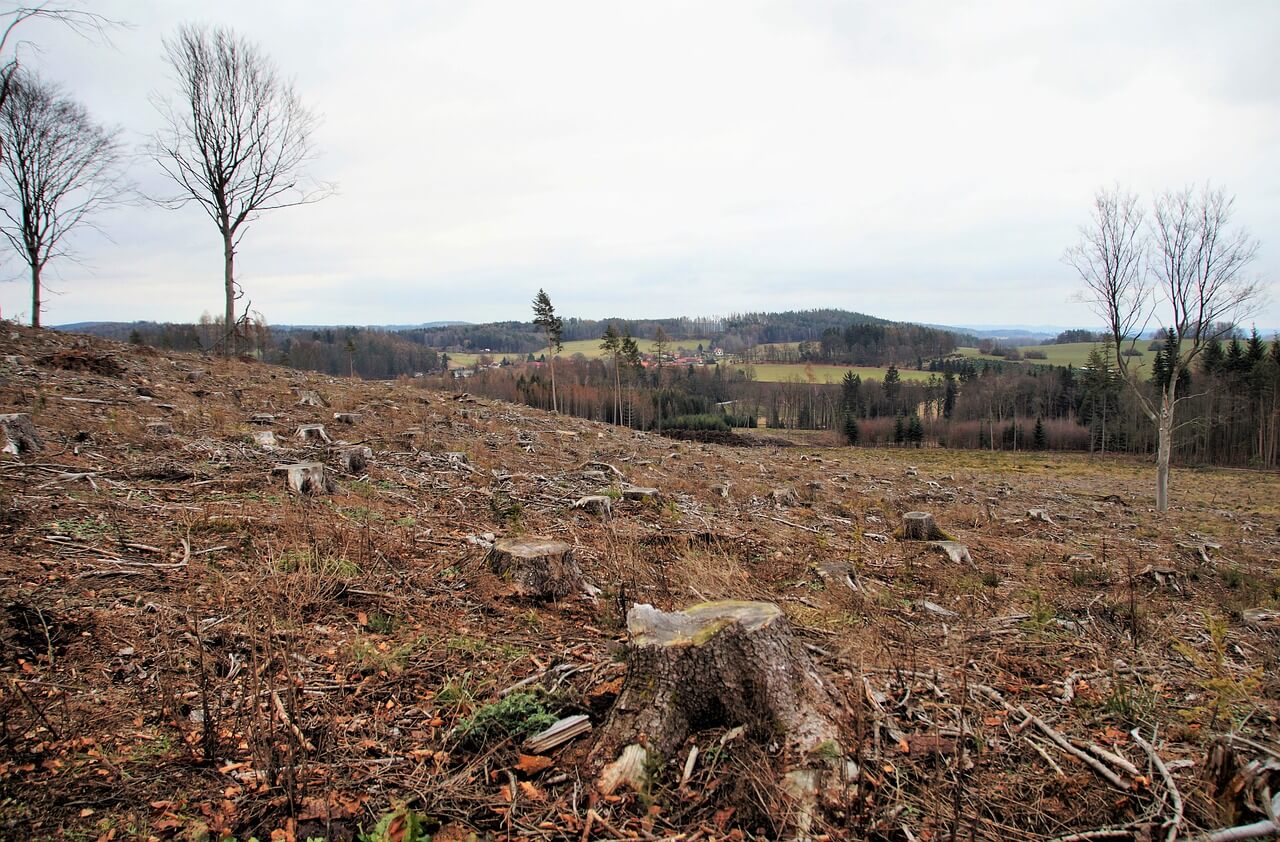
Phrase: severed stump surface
pixel 722 664
pixel 537 567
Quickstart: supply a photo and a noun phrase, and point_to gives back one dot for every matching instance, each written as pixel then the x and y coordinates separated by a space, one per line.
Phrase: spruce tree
pixel 851 429
pixel 1038 440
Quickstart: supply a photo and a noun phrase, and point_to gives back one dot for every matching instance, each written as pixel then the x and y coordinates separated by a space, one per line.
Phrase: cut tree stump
pixel 920 526
pixel 265 439
pixel 784 498
pixel 262 419
pixel 346 417
pixel 639 493
pixel 306 477
pixel 539 568
pixel 598 504
pixel 20 434
pixel 159 428
pixel 723 664
pixel 312 433
pixel 308 397
pixel 355 459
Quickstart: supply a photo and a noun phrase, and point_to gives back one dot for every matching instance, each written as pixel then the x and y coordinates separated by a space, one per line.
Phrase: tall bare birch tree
pixel 57 169
pixel 237 141
pixel 1186 270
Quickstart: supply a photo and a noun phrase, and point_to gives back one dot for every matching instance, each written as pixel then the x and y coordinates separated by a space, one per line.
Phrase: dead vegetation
pixel 190 645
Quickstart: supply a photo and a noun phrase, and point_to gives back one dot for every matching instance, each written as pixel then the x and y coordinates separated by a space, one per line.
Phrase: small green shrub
pixel 518 715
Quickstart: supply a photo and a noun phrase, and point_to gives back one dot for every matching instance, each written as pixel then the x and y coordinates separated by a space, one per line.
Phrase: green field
pixel 589 348
pixel 1070 353
pixel 784 372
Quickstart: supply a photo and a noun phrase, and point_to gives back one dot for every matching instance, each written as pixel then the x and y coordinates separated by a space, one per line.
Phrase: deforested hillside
pixel 238 600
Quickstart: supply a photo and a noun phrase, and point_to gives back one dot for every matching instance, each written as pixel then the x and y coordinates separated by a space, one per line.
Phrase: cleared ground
pixel 189 651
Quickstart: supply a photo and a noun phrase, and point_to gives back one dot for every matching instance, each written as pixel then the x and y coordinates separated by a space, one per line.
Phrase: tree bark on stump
pixel 920 526
pixel 539 568
pixel 723 664
pixel 306 477
pixel 20 434
pixel 312 433
pixel 355 459
pixel 308 397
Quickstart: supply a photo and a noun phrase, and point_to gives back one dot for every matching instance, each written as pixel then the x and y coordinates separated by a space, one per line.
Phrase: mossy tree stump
pixel 722 664
pixel 539 568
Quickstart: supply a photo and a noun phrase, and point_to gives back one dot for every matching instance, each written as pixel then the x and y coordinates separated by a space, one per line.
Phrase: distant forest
pixel 1231 415
pixel 386 353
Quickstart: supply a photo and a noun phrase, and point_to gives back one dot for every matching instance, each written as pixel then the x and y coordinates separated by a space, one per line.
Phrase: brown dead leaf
pixel 532 764
pixel 528 790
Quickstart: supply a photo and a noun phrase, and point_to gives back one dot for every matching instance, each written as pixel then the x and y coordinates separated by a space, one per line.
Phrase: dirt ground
pixel 189 650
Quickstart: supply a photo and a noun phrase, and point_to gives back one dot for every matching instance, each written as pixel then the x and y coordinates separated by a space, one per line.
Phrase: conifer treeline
pixel 1233 417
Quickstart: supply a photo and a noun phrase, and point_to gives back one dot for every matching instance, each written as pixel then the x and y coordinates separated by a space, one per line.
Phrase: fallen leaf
pixel 532 764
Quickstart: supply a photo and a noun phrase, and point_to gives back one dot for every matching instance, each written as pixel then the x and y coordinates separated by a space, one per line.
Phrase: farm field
pixel 785 372
pixel 589 348
pixel 1070 353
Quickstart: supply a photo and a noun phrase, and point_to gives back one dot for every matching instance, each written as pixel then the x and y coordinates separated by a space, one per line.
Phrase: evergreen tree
pixel 850 393
pixel 899 431
pixel 544 316
pixel 1038 439
pixel 851 429
pixel 949 395
pixel 892 384
pixel 915 430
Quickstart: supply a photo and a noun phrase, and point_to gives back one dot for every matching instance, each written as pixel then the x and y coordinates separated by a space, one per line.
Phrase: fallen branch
pixel 1053 734
pixel 1175 823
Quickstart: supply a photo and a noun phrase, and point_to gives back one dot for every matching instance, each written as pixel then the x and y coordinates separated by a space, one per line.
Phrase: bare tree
pixel 1186 269
pixel 57 169
pixel 237 140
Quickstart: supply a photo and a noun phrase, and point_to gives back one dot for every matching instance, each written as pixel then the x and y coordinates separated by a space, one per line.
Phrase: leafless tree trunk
pixel 1193 260
pixel 237 140
pixel 57 169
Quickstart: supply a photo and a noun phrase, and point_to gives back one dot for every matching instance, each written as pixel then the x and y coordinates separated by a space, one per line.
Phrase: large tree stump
pixel 20 434
pixel 306 477
pixel 309 397
pixel 538 567
pixel 355 459
pixel 722 664
pixel 920 526
pixel 312 433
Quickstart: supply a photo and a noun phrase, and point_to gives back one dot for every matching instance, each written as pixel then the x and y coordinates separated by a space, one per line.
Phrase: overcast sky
pixel 921 161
